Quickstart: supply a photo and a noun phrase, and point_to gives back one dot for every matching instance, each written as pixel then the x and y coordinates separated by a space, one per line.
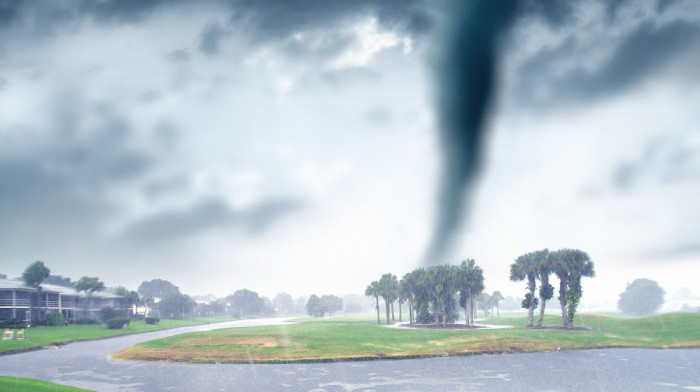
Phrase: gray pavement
pixel 85 365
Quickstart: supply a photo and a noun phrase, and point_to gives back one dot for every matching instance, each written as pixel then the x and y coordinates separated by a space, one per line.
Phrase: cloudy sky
pixel 295 145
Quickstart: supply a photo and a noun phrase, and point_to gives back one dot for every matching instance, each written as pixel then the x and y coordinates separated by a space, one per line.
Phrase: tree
pixel 333 303
pixel 388 289
pixel 570 265
pixel 245 302
pixel 147 302
pixel 470 283
pixel 283 303
pixel 59 280
pixel 33 276
pixel 131 298
pixel 497 297
pixel 157 288
pixel 445 285
pixel 407 288
pixel 642 297
pixel 524 268
pixel 372 290
pixel 315 306
pixel 89 286
pixel 543 268
pixel 176 306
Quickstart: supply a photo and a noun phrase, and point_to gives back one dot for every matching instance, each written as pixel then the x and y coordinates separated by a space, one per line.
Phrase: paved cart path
pixel 85 365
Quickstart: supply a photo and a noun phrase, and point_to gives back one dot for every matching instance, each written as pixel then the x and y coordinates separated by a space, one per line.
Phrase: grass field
pixel 18 384
pixel 353 338
pixel 46 336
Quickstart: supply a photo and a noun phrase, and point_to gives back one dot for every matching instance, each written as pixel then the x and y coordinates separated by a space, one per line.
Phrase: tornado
pixel 465 73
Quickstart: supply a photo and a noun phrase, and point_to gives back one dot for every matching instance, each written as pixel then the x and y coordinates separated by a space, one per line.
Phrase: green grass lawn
pixel 361 338
pixel 45 336
pixel 18 384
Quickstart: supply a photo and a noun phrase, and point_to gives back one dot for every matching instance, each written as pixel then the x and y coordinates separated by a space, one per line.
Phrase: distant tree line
pixel 569 265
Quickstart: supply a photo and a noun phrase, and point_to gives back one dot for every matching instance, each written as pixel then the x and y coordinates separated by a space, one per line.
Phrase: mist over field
pixel 311 146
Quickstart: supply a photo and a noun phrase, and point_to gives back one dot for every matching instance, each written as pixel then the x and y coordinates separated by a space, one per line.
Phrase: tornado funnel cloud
pixel 465 73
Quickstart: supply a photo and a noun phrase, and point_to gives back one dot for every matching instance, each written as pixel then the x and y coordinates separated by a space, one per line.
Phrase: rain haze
pixel 305 146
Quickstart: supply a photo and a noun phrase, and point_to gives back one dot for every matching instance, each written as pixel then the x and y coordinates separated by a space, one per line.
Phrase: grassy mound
pixel 18 384
pixel 351 339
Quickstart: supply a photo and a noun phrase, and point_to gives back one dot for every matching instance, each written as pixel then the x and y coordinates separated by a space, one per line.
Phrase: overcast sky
pixel 293 145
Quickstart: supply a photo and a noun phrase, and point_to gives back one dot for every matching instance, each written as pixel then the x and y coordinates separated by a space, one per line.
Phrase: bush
pixel 109 313
pixel 83 321
pixel 13 324
pixel 117 323
pixel 152 320
pixel 55 319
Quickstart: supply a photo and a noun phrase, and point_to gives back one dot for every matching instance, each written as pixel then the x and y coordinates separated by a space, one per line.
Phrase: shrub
pixel 13 324
pixel 55 319
pixel 109 313
pixel 82 321
pixel 117 323
pixel 152 320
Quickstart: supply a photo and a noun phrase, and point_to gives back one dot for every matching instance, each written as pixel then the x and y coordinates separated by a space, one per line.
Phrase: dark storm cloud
pixel 206 215
pixel 640 54
pixel 273 19
pixel 211 35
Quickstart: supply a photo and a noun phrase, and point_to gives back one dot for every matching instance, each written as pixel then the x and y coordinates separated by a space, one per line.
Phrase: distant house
pixel 15 299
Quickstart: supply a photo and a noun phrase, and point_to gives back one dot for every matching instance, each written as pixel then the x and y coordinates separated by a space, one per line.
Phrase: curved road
pixel 85 365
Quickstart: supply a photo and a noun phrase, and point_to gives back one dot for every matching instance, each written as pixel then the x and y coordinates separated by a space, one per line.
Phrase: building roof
pixel 15 284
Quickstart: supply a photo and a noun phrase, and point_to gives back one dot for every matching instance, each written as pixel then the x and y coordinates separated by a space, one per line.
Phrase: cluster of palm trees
pixel 431 293
pixel 569 265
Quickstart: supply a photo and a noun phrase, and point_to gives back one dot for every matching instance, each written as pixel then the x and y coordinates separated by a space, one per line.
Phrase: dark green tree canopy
pixel 158 288
pixel 642 297
pixel 35 274
pixel 176 306
pixel 333 303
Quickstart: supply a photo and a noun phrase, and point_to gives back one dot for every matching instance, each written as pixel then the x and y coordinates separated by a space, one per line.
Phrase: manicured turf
pixel 18 384
pixel 46 336
pixel 348 339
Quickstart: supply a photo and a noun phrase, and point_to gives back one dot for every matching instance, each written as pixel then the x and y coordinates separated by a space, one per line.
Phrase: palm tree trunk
pixel 400 313
pixel 378 319
pixel 531 308
pixel 392 311
pixel 444 315
pixel 386 300
pixel 562 302
pixel 542 306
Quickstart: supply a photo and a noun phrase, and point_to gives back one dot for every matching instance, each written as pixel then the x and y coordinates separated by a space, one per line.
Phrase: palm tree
pixel 525 268
pixel 496 297
pixel 89 286
pixel 406 292
pixel 543 265
pixel 33 276
pixel 388 289
pixel 373 291
pixel 570 265
pixel 470 280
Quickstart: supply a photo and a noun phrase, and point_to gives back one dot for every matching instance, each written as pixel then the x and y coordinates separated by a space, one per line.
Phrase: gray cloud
pixel 206 215
pixel 663 161
pixel 641 53
pixel 211 35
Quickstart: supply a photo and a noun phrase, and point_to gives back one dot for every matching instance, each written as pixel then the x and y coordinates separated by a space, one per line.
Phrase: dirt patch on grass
pixel 440 326
pixel 214 341
pixel 562 328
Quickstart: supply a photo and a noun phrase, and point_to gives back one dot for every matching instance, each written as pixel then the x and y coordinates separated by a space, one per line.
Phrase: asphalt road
pixel 85 365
